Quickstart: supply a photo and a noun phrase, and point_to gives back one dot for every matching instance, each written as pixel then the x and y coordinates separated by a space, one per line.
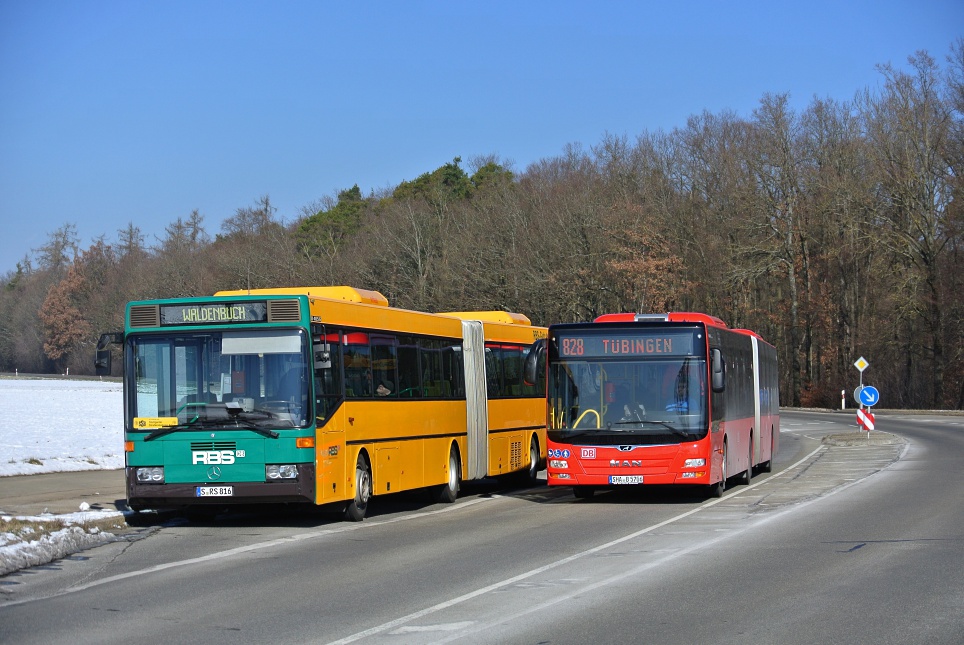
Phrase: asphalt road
pixel 845 542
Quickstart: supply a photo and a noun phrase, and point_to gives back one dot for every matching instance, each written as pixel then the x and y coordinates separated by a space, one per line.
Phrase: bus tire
pixel 530 476
pixel 200 514
pixel 449 491
pixel 746 477
pixel 767 466
pixel 356 509
pixel 583 492
pixel 717 489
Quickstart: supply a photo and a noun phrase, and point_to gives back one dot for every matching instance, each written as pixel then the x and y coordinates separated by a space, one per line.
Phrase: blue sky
pixel 139 112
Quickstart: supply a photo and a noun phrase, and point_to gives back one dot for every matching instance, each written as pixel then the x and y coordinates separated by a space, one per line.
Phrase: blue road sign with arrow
pixel 869 395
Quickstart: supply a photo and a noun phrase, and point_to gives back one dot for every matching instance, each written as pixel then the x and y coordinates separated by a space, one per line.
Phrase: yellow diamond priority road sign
pixel 861 364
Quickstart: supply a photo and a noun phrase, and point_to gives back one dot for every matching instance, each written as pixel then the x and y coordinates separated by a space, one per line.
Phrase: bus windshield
pixel 252 378
pixel 626 401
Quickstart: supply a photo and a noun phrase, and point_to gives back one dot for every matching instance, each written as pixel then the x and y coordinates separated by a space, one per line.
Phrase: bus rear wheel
pixel 356 509
pixel 767 466
pixel 449 491
pixel 746 477
pixel 530 475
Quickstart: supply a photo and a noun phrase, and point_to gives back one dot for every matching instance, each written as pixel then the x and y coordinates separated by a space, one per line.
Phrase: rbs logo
pixel 212 457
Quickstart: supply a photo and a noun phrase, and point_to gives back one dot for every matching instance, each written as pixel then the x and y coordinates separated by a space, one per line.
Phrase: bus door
pixel 756 401
pixel 330 448
pixel 476 401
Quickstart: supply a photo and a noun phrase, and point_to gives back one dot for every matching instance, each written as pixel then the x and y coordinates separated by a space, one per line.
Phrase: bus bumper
pixel 141 496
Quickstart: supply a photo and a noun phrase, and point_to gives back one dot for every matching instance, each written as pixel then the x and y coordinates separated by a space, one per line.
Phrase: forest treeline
pixel 834 232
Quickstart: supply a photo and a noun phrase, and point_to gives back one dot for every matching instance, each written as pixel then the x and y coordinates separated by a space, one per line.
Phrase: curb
pixel 862 438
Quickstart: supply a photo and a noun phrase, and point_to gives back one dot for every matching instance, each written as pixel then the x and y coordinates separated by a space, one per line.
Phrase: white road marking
pixel 220 555
pixel 444 627
pixel 393 624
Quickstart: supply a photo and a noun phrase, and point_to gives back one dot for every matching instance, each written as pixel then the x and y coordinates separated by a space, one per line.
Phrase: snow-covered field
pixel 51 425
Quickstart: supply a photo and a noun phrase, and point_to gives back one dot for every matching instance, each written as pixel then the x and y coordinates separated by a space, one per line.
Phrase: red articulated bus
pixel 650 399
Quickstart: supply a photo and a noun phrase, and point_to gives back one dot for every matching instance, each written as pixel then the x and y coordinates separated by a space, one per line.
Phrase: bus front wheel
pixel 717 489
pixel 583 492
pixel 356 509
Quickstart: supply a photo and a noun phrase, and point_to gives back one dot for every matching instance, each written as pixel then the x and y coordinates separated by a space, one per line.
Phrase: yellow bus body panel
pixel 407 442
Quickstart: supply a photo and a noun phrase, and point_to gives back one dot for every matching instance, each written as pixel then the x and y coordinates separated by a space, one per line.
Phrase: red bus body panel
pixel 594 465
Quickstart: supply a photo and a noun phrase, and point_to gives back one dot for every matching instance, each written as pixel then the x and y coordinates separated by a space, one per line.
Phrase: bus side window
pixel 358 375
pixel 384 374
pixel 512 370
pixel 493 370
pixel 430 358
pixel 409 385
pixel 453 385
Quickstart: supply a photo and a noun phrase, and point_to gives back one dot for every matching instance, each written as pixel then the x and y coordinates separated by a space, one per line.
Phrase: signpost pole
pixel 861 364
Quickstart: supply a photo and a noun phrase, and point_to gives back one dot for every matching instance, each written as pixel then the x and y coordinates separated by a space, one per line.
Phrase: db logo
pixel 588 453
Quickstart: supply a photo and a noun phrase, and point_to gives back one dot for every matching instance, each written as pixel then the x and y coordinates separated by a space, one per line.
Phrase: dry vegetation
pixel 835 233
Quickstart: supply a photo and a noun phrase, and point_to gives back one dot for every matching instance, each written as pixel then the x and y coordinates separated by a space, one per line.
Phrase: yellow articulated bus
pixel 324 395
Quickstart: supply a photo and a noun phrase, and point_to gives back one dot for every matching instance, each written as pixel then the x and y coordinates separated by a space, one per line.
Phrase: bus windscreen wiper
pixel 569 433
pixel 264 432
pixel 672 429
pixel 221 424
pixel 193 424
pixel 160 432
pixel 676 431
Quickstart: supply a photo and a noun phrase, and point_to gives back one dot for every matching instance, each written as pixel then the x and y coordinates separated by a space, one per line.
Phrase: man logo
pixel 212 457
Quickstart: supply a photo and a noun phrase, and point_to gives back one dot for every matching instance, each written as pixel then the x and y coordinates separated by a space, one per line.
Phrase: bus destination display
pixel 595 345
pixel 214 313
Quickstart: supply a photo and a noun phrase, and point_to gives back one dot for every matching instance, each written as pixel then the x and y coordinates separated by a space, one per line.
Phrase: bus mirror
pixel 718 370
pixel 535 358
pixel 323 357
pixel 102 362
pixel 106 340
pixel 102 355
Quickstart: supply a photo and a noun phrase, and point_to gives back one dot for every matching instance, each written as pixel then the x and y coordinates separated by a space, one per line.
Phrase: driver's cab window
pixel 327 362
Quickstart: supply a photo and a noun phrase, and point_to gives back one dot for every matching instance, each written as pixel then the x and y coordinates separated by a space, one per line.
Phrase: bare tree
pixel 909 125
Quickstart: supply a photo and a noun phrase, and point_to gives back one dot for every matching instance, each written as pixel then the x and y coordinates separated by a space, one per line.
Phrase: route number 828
pixel 572 347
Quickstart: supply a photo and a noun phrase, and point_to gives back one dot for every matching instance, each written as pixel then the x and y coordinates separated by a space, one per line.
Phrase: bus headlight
pixel 153 475
pixel 281 471
pixel 694 463
pixel 558 463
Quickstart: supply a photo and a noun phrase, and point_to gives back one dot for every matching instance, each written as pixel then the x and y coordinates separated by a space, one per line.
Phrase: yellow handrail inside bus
pixel 598 418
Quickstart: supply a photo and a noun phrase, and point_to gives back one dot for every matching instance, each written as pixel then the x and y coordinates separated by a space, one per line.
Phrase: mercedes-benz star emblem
pixel 214 473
